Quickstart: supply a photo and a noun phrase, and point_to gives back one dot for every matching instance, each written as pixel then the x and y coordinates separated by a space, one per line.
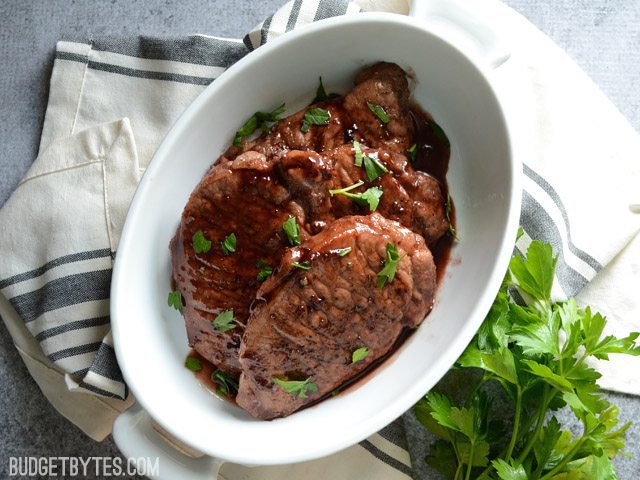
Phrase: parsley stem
pixel 470 464
pixel 516 423
pixel 568 457
pixel 458 470
pixel 546 399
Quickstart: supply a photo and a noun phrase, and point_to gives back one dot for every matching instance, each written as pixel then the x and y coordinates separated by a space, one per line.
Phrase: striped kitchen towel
pixel 112 100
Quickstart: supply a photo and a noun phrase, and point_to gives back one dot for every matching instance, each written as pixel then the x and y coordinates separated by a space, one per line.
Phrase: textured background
pixel 602 36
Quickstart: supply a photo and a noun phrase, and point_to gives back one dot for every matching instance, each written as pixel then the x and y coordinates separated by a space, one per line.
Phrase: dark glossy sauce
pixel 205 375
pixel 432 157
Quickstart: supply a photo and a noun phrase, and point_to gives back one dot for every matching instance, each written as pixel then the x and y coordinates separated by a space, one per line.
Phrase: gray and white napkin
pixel 111 102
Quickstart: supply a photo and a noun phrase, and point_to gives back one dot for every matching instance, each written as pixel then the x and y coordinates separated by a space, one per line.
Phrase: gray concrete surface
pixel 603 36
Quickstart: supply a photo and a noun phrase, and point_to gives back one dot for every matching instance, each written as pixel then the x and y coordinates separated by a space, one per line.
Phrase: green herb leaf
pixel 229 244
pixel 314 116
pixel 535 272
pixel 299 388
pixel 447 214
pixel 265 270
pixel 193 364
pixel 226 384
pixel 290 227
pixel 388 272
pixel 175 300
pixel 509 472
pixel 359 354
pixel 379 112
pixel 200 242
pixel 358 154
pixel 302 265
pixel 374 168
pixel 370 197
pixel 257 120
pixel 224 321
pixel 344 251
pixel 413 152
pixel 439 132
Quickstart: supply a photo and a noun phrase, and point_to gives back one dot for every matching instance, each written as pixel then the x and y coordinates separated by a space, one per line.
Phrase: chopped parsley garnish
pixel 321 94
pixel 226 384
pixel 290 227
pixel 175 300
pixel 388 272
pixel 370 197
pixel 374 168
pixel 299 388
pixel 359 354
pixel 257 120
pixel 447 215
pixel 344 251
pixel 438 132
pixel 302 265
pixel 413 151
pixel 229 244
pixel 314 116
pixel 265 270
pixel 224 321
pixel 379 112
pixel 358 154
pixel 200 242
pixel 193 364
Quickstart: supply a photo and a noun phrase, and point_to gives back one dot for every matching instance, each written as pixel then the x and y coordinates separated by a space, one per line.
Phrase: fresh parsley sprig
pixel 374 168
pixel 257 120
pixel 538 353
pixel 292 230
pixel 388 272
pixel 225 384
pixel 228 245
pixel 298 388
pixel 265 270
pixel 359 354
pixel 370 196
pixel 175 300
pixel 379 112
pixel 200 243
pixel 224 321
pixel 322 95
pixel 314 116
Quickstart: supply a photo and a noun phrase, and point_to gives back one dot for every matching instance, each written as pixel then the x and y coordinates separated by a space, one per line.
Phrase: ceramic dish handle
pixel 138 438
pixel 470 24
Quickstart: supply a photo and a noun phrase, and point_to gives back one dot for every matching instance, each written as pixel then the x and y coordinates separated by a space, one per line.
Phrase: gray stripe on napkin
pixel 100 391
pixel 196 49
pixel 164 76
pixel 105 363
pixel 539 226
pixel 542 183
pixel 394 432
pixel 63 292
pixel 293 17
pixel 74 257
pixel 386 458
pixel 331 8
pixel 73 351
pixel 71 326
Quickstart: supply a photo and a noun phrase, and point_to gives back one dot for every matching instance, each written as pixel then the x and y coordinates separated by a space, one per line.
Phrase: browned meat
pixel 383 84
pixel 411 197
pixel 311 321
pixel 252 190
pixel 237 197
